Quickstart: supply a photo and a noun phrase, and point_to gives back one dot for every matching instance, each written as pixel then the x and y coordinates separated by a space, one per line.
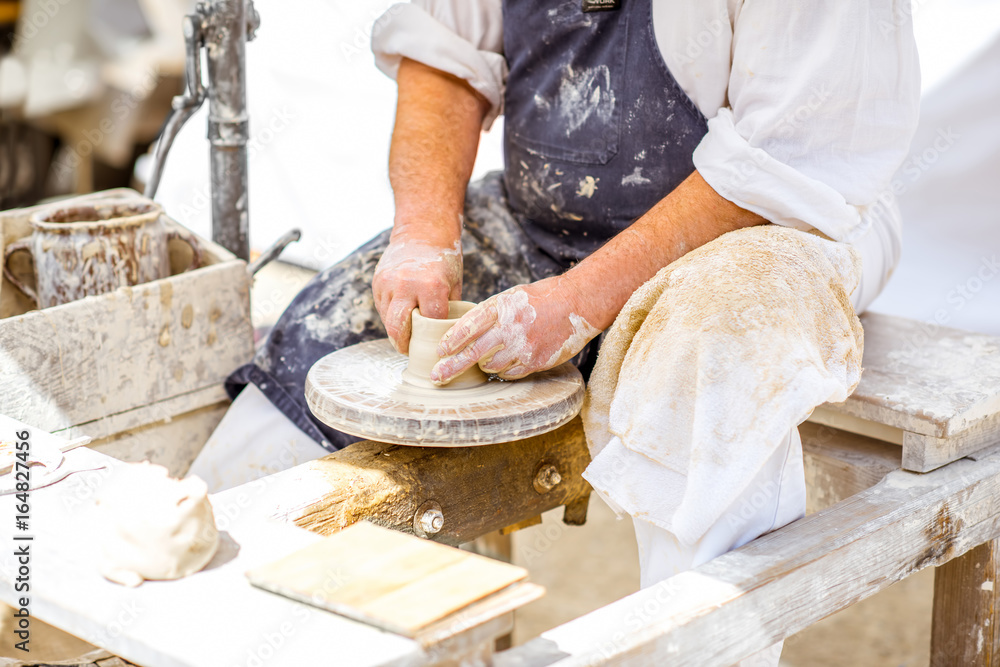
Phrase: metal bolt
pixel 432 521
pixel 547 478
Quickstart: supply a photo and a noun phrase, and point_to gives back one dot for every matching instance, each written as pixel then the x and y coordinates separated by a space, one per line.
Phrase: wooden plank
pixel 157 623
pixel 101 356
pixel 145 415
pixel 924 378
pixel 827 415
pixel 212 618
pixel 173 443
pixel 839 464
pixel 479 489
pixel 750 598
pixel 393 581
pixel 966 626
pixel 923 453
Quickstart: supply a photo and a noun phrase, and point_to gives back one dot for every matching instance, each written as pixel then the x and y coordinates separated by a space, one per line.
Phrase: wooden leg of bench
pixel 966 625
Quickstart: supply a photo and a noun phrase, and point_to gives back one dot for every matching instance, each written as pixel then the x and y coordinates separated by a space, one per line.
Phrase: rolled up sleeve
pixel 823 100
pixel 463 38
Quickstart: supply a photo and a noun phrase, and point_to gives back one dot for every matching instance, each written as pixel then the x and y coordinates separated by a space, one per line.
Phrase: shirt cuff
pixel 752 179
pixel 408 31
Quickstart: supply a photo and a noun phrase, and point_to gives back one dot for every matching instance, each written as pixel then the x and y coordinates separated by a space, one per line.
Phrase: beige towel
pixel 709 366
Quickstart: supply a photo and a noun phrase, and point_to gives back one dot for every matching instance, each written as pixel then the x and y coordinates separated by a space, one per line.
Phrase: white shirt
pixel 810 104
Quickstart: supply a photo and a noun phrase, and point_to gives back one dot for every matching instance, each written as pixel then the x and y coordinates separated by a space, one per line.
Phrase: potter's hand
pixel 526 329
pixel 415 273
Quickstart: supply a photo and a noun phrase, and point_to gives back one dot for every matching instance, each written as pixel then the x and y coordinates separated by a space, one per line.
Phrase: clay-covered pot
pixel 95 247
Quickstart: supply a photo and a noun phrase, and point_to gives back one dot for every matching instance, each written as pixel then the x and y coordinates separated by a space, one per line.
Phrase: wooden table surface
pixel 214 618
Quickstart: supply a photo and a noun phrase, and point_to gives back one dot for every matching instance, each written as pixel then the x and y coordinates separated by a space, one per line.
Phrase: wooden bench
pixel 903 475
pixel 874 520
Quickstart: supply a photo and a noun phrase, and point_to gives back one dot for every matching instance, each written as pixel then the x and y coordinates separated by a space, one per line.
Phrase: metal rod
pixel 183 106
pixel 228 125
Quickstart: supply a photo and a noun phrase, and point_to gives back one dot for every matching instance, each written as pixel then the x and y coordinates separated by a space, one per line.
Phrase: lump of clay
pixel 155 526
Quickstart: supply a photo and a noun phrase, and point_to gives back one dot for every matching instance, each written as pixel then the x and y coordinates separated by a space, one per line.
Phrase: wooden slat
pixel 966 626
pixel 924 378
pixel 922 453
pixel 397 582
pixel 828 415
pixel 479 489
pixel 144 415
pixel 174 443
pixel 750 598
pixel 840 464
pixel 101 357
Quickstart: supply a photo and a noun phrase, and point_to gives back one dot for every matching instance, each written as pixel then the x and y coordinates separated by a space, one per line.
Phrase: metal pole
pixel 228 125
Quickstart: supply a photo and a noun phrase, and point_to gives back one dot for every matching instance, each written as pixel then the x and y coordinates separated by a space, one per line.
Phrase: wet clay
pixel 155 526
pixel 425 334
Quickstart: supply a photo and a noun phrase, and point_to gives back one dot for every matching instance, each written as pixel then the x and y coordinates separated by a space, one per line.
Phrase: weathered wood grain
pixel 100 357
pixel 479 489
pixel 839 464
pixel 782 582
pixel 966 625
pixel 393 581
pixel 922 453
pixel 172 442
pixel 829 415
pixel 925 378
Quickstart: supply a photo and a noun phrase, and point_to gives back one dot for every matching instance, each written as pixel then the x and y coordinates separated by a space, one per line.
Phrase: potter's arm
pixel 434 143
pixel 689 217
pixel 541 325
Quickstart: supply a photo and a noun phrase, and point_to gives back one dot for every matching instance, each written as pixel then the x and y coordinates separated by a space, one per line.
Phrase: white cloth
pixel 775 497
pixel 710 365
pixel 811 106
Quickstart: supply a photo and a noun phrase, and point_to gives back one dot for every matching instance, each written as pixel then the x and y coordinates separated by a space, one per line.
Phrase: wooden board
pixel 393 581
pixel 215 617
pixel 125 359
pixel 966 626
pixel 839 464
pixel 925 379
pixel 360 390
pixel 479 489
pixel 173 442
pixel 748 599
pixel 931 389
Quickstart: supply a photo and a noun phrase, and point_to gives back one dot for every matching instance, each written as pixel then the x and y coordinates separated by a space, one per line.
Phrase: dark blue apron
pixel 596 128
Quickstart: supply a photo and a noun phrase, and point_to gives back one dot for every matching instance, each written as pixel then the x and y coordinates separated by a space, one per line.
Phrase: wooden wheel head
pixel 360 390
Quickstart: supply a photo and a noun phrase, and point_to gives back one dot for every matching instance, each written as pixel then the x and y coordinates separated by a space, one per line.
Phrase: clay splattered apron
pixel 597 131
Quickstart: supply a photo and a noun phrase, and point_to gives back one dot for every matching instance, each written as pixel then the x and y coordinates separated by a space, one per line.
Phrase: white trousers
pixel 776 497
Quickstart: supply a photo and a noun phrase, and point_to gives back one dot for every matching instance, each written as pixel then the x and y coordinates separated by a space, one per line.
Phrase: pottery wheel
pixel 360 390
